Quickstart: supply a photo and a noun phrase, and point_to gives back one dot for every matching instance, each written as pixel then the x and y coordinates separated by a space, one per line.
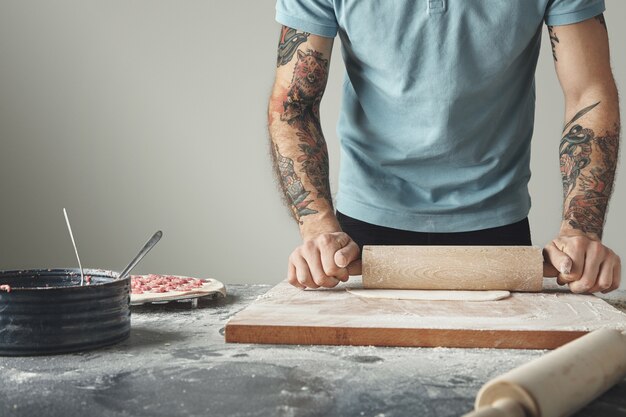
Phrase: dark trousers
pixel 516 234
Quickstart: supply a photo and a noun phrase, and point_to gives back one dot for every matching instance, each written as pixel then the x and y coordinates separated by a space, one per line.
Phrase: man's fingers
pixel 355 268
pixel 594 256
pixel 328 246
pixel 350 257
pixel 575 250
pixel 348 254
pixel 344 241
pixel 557 263
pixel 291 276
pixel 587 280
pixel 605 277
pixel 303 274
pixel 314 262
pixel 617 275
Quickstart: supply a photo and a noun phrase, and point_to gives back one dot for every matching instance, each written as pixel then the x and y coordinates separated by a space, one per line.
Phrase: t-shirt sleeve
pixel 313 16
pixel 565 12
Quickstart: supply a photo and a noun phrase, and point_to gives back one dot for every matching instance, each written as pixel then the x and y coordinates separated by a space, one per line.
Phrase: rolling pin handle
pixel 505 407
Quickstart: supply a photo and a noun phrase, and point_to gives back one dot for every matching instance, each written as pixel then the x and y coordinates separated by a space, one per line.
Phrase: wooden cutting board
pixel 287 315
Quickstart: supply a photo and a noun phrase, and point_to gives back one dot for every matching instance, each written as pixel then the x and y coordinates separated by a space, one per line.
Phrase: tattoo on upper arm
pixel 306 87
pixel 600 19
pixel 553 40
pixel 290 40
pixel 587 208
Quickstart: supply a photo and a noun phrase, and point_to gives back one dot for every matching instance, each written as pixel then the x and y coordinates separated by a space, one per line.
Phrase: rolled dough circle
pixel 429 295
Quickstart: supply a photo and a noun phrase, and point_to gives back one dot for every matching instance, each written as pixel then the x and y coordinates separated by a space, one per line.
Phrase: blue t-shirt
pixel 438 105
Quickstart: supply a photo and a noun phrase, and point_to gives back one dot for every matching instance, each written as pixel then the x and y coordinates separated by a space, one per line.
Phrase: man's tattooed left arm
pixel 590 138
pixel 554 39
pixel 588 152
pixel 600 19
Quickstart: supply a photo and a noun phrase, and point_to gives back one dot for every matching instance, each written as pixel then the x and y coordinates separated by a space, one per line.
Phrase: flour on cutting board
pixel 430 295
pixel 553 311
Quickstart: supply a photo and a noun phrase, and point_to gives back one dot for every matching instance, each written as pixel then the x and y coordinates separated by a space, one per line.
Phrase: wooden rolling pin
pixel 512 268
pixel 559 383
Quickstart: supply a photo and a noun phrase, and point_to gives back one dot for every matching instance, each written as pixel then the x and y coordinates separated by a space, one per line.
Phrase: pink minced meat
pixel 162 283
pixel 5 287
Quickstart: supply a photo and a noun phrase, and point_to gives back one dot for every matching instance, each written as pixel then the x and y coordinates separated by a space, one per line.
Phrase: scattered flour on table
pixel 19 377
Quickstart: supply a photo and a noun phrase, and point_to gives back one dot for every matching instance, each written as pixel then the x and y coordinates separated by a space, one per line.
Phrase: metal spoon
pixel 146 248
pixel 67 221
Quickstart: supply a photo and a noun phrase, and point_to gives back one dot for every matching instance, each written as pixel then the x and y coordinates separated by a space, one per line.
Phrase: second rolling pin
pixel 559 383
pixel 512 268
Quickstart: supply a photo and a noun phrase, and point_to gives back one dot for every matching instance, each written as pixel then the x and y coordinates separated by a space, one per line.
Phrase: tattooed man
pixel 435 129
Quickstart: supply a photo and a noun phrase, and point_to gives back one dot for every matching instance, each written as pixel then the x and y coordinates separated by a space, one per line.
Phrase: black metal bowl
pixel 47 311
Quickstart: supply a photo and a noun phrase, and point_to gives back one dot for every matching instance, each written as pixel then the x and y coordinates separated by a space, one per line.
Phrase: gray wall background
pixel 151 114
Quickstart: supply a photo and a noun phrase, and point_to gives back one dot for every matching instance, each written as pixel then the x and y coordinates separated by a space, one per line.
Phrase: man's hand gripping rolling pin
pixel 324 261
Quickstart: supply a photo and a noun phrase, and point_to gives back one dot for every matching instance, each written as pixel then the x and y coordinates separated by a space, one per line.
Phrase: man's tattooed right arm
pixel 290 40
pixel 298 147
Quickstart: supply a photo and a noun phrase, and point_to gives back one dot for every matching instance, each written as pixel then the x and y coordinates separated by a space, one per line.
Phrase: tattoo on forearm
pixel 600 19
pixel 290 40
pixel 587 207
pixel 315 163
pixel 293 189
pixel 553 41
pixel 587 211
pixel 580 114
pixel 575 151
pixel 301 111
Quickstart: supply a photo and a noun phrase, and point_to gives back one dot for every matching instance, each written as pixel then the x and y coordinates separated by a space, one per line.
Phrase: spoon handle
pixel 69 228
pixel 146 248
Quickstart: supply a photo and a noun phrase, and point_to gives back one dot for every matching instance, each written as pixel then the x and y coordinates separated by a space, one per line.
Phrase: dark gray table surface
pixel 176 363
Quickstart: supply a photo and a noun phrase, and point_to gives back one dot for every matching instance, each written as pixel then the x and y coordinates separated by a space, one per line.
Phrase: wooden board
pixel 287 315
